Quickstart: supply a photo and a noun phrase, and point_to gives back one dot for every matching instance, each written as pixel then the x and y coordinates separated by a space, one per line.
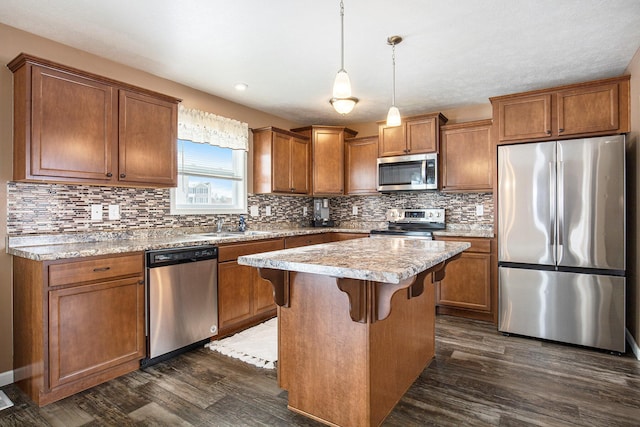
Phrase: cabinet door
pixel 262 294
pixel 281 163
pixel 95 327
pixel 147 140
pixel 392 141
pixel 73 133
pixel 467 283
pixel 299 166
pixel 467 159
pixel 527 117
pixel 361 165
pixel 235 288
pixel 328 161
pixel 422 136
pixel 587 110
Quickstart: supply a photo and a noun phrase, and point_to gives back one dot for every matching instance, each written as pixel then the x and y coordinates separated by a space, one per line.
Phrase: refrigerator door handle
pixel 552 203
pixel 560 209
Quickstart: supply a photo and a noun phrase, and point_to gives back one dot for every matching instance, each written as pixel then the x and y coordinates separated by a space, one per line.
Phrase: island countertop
pixel 378 259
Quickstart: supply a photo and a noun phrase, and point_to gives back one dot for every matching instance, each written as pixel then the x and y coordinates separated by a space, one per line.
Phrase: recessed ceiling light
pixel 241 87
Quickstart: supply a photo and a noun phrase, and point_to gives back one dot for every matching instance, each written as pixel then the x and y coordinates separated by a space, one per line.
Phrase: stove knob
pixel 430 214
pixel 437 214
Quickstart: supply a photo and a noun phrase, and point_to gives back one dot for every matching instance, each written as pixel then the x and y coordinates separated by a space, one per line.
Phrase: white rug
pixel 257 345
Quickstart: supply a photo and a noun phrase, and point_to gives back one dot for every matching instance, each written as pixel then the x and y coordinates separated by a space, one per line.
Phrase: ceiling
pixel 454 54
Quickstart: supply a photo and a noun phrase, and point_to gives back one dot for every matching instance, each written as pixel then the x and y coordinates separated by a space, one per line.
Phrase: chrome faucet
pixel 220 222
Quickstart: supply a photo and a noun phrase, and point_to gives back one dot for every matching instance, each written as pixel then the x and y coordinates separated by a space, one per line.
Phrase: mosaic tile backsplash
pixel 57 208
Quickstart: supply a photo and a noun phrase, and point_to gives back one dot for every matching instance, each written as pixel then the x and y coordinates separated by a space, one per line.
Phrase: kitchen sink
pixel 237 233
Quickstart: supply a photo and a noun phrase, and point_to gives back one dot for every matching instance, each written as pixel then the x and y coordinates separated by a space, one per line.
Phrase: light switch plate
pixel 479 210
pixel 96 212
pixel 254 211
pixel 354 210
pixel 267 210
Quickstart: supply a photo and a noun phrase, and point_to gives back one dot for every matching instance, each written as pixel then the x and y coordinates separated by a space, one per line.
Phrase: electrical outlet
pixel 304 211
pixel 479 210
pixel 267 210
pixel 96 212
pixel 114 212
pixel 354 210
pixel 254 211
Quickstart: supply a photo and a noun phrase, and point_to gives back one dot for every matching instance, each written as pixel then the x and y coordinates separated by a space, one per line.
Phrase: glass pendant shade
pixel 342 85
pixel 343 105
pixel 393 116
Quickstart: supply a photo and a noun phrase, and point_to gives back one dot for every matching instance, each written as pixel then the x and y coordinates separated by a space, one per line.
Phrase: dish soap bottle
pixel 242 225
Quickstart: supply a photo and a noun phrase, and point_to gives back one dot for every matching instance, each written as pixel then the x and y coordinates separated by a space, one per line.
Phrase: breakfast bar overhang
pixel 356 322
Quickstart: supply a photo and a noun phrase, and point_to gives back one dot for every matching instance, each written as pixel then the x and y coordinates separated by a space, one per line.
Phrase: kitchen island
pixel 356 322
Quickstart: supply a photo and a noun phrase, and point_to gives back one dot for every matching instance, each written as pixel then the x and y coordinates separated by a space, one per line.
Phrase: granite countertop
pixel 388 260
pixel 75 245
pixel 48 247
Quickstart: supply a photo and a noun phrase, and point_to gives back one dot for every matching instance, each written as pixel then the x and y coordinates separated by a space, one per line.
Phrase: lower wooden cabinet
pixel 77 323
pixel 469 287
pixel 244 298
pixel 307 239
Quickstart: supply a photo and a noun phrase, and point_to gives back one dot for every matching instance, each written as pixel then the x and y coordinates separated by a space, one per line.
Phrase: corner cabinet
pixel 415 135
pixel 77 323
pixel 244 298
pixel 327 158
pixel 469 288
pixel 467 156
pixel 71 126
pixel 281 161
pixel 360 165
pixel 600 107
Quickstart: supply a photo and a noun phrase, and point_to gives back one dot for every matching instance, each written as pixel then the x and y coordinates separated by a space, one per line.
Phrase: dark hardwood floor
pixel 479 378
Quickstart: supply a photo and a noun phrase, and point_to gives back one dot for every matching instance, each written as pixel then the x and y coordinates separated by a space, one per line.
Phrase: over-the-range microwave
pixel 410 172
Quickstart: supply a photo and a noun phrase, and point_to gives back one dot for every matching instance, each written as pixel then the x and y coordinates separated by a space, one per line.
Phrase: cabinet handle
pixel 123 175
pixel 140 282
pixel 548 132
pixel 102 269
pixel 109 174
pixel 560 130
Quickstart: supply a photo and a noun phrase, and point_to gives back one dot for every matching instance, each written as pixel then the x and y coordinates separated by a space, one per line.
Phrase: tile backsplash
pixel 57 208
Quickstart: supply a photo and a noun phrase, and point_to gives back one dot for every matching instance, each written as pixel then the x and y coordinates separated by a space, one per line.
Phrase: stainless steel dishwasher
pixel 182 300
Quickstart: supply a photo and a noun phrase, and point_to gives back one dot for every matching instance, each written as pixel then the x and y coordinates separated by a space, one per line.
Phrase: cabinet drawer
pixel 310 239
pixel 95 269
pixel 231 252
pixel 478 244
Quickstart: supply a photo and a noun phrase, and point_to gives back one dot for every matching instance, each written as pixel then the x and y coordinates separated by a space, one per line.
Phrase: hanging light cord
pixel 393 60
pixel 341 35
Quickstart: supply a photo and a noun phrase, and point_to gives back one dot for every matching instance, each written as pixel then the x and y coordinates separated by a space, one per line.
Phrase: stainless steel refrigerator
pixel 561 241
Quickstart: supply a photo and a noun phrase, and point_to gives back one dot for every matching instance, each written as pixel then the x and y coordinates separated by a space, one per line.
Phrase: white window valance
pixel 200 126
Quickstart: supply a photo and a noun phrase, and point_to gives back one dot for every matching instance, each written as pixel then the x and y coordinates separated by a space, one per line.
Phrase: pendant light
pixel 342 100
pixel 393 116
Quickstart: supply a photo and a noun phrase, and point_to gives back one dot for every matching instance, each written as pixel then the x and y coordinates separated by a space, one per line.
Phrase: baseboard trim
pixel 6 378
pixel 634 345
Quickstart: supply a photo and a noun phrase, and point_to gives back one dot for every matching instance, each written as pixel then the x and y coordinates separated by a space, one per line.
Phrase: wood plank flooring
pixel 479 378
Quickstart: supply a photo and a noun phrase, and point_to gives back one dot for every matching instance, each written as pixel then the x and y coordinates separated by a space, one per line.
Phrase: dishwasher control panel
pixel 179 255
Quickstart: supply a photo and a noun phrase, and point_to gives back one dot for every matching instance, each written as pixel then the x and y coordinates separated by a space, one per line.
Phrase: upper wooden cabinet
pixel 327 158
pixel 73 126
pixel 593 108
pixel 280 161
pixel 416 135
pixel 467 156
pixel 360 166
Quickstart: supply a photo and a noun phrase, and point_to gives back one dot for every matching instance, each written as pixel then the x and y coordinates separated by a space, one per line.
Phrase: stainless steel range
pixel 415 223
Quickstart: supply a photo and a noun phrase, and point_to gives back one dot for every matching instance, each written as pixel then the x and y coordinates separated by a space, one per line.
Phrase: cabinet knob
pixel 123 175
pixel 548 132
pixel 560 130
pixel 109 174
pixel 293 189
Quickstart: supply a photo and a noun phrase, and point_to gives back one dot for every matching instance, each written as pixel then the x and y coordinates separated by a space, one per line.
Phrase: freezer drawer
pixel 575 308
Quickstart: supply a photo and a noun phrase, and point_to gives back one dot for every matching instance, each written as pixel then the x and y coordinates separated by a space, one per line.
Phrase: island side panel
pixel 402 346
pixel 324 355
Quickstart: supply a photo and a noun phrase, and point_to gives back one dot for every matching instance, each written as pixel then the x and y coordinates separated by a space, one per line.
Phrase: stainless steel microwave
pixel 411 172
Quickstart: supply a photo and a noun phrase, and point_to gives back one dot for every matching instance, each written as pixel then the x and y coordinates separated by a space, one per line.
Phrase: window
pixel 211 180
